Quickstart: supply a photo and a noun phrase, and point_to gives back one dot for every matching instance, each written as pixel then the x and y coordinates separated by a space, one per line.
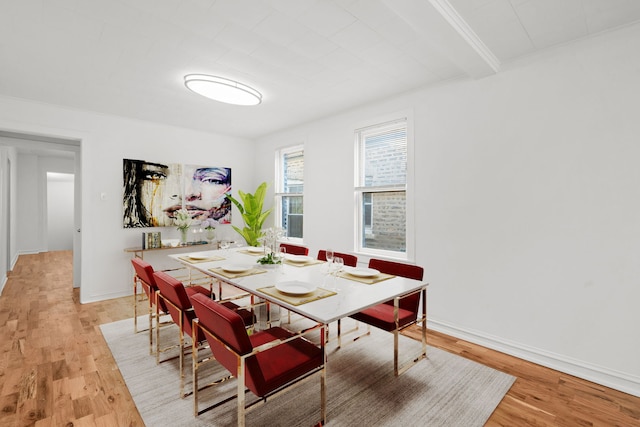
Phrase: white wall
pixel 527 204
pixel 31 183
pixel 60 201
pixel 106 140
pixel 8 252
pixel 30 205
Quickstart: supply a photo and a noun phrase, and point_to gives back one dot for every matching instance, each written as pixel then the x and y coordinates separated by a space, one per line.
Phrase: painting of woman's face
pixel 153 192
pixel 204 192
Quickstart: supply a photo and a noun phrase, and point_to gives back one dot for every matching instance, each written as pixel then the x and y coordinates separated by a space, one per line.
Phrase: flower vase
pixel 183 236
pixel 211 234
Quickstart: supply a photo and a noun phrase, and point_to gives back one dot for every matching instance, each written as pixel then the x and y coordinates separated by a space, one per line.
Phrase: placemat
pixel 319 293
pixel 368 280
pixel 196 261
pixel 230 275
pixel 247 252
pixel 303 264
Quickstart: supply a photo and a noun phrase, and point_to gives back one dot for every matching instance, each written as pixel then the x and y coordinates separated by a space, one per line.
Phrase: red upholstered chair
pixel 396 314
pixel 295 249
pixel 349 260
pixel 263 362
pixel 144 277
pixel 173 294
pixel 177 298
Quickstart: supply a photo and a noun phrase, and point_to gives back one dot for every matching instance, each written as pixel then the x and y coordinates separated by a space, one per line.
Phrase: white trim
pixel 466 32
pixel 617 380
pixel 391 120
pixel 278 195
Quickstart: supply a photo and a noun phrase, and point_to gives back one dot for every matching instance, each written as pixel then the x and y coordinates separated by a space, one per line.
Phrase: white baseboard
pixel 621 381
pixel 103 297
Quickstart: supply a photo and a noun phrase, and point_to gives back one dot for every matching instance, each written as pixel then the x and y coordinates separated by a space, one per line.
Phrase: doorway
pixel 60 212
pixel 49 151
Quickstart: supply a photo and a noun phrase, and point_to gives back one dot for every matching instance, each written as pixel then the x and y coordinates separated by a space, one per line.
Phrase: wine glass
pixel 333 273
pixel 329 256
pixel 224 245
pixel 282 254
pixel 339 262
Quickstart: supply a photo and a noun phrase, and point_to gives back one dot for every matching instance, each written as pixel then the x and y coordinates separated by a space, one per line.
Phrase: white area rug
pixel 443 390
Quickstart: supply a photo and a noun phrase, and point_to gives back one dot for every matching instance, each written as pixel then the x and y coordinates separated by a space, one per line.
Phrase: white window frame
pixel 279 193
pixel 408 188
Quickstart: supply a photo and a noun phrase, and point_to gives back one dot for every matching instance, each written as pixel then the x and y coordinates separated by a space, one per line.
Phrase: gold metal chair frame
pixel 139 295
pixel 180 345
pixel 243 407
pixel 399 370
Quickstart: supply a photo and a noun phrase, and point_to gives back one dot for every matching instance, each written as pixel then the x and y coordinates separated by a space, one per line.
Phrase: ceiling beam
pixel 440 25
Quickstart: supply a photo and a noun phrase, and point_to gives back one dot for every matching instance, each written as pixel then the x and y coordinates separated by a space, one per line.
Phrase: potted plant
pixel 252 214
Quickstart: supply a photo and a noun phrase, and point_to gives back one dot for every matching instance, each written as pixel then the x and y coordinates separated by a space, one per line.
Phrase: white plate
pixel 234 268
pixel 363 272
pixel 255 250
pixel 299 258
pixel 199 256
pixel 295 287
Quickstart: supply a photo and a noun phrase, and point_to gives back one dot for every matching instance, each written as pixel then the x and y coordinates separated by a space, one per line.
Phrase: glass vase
pixel 184 235
pixel 211 234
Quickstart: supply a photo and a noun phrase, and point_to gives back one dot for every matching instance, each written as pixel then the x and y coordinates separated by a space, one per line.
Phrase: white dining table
pixel 351 296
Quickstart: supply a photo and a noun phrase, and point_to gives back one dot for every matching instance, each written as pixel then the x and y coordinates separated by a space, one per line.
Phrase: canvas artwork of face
pixel 204 192
pixel 153 192
pixel 148 189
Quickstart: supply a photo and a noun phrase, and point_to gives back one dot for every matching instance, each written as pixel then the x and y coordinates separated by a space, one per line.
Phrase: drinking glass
pixel 329 256
pixel 334 269
pixel 282 254
pixel 339 262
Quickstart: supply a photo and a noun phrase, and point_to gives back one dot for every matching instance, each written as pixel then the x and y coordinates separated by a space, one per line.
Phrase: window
pixel 380 189
pixel 289 191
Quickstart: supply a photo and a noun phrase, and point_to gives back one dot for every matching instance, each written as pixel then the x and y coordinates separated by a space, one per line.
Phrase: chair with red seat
pixel 144 276
pixel 349 260
pixel 295 249
pixel 177 298
pixel 399 313
pixel 264 362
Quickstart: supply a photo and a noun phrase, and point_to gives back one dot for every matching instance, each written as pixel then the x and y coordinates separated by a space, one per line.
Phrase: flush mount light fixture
pixel 223 90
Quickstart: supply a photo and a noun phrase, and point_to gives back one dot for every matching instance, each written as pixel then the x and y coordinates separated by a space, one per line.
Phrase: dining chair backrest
pixel 295 249
pixel 397 268
pixel 145 272
pixel 409 271
pixel 180 308
pixel 349 260
pixel 226 325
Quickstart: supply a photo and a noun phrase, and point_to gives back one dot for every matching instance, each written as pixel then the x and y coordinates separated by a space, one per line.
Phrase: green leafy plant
pixel 269 259
pixel 252 214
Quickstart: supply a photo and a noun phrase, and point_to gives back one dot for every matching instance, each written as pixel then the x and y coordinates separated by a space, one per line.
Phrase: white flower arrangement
pixel 182 219
pixel 270 236
pixel 269 239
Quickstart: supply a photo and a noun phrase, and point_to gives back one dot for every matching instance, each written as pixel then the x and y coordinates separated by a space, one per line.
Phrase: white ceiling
pixel 309 58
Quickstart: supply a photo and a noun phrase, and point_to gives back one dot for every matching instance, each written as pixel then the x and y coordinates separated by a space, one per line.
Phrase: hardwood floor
pixel 56 369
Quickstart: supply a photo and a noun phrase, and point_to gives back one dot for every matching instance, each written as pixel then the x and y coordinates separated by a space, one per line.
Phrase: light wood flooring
pixel 56 369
